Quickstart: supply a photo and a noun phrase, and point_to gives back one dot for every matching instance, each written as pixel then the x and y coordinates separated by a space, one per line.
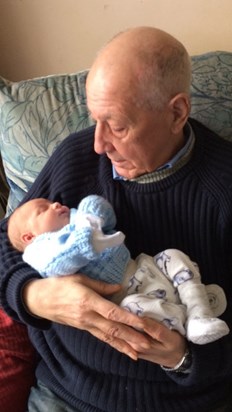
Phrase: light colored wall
pixel 40 37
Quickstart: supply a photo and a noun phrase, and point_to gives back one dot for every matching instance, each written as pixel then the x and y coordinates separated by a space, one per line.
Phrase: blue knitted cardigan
pixel 191 209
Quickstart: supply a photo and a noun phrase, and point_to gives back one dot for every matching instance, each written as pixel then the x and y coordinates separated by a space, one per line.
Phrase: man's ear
pixel 27 237
pixel 180 107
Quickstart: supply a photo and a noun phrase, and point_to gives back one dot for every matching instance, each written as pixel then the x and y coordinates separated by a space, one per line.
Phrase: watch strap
pixel 182 366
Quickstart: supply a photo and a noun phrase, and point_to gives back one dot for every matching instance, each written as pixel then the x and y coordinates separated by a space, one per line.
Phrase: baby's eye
pixel 41 210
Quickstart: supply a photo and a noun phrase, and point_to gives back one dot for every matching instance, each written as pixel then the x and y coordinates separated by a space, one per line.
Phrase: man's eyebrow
pixel 103 118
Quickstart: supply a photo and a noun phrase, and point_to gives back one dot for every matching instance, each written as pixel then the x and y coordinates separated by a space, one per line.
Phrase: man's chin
pixel 126 173
pixel 121 169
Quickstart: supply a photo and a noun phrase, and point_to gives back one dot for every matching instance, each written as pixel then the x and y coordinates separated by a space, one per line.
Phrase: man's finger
pixel 115 343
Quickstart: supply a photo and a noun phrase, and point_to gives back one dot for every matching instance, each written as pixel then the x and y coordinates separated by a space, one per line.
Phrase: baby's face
pixel 45 216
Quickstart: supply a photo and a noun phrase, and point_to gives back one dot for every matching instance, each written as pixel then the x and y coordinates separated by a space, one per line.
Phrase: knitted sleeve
pixel 53 183
pixel 64 252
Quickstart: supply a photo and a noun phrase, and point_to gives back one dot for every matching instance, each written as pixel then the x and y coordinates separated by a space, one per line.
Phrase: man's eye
pixel 118 129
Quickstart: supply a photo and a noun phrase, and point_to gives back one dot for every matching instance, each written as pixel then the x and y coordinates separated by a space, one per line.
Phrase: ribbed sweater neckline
pixel 161 179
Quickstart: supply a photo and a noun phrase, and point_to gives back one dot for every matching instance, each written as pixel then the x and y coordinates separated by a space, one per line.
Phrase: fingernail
pixel 133 356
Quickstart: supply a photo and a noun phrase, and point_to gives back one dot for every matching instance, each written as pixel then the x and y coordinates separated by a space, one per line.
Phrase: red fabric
pixel 17 365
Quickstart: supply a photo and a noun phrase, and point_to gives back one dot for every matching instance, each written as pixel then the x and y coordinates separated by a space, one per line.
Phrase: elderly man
pixel 169 181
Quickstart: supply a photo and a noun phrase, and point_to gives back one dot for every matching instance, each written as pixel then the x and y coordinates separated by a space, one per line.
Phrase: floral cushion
pixel 211 91
pixel 36 115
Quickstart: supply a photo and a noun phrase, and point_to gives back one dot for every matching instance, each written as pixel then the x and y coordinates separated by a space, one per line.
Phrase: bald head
pixel 146 60
pixel 138 95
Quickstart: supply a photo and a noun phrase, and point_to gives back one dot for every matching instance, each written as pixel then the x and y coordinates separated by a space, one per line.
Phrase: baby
pixel 56 240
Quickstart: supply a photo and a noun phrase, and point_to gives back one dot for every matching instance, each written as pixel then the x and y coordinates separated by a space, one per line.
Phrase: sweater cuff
pixel 18 309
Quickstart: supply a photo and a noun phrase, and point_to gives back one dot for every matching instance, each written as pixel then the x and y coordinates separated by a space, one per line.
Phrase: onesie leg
pixel 149 293
pixel 201 325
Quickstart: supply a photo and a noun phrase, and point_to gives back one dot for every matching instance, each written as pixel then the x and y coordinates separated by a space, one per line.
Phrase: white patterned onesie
pixel 168 288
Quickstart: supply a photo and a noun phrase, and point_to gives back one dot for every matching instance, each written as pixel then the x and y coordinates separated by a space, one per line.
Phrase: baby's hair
pixel 14 229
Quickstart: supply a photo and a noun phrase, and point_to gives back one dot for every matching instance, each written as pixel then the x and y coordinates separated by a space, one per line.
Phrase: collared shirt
pixel 178 159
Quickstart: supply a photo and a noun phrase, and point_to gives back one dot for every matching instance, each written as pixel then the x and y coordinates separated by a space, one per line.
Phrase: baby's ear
pixel 27 237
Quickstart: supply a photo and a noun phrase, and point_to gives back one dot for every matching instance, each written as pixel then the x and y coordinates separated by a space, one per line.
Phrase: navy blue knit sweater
pixel 190 210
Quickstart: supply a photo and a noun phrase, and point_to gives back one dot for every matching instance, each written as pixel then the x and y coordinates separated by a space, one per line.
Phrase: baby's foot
pixel 206 330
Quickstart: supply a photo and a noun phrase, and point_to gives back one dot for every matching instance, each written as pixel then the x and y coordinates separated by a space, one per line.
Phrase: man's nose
pixel 102 143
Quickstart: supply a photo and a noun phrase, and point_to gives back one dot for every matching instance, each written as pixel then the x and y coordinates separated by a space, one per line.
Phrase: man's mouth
pixel 117 162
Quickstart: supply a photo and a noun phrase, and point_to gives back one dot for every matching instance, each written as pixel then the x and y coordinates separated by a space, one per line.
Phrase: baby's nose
pixel 56 205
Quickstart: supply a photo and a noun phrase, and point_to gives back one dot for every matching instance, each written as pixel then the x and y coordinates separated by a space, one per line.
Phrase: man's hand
pixel 77 300
pixel 167 346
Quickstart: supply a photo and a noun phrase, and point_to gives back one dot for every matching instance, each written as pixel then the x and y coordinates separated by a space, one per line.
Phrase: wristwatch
pixel 183 365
